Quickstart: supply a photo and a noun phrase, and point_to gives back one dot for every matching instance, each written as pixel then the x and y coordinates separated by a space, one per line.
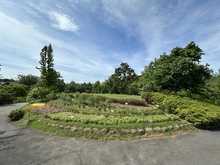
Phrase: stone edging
pixel 146 131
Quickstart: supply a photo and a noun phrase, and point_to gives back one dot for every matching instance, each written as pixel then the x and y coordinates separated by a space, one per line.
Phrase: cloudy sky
pixel 90 38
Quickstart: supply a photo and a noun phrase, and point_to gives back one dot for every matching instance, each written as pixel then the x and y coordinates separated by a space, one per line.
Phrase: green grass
pixel 120 96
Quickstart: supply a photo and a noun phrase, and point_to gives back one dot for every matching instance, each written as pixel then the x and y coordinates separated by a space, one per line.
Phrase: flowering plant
pixel 42 108
pixel 47 109
pixel 34 105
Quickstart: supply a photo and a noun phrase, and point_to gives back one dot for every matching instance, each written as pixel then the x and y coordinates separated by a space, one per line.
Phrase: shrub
pixel 148 97
pixel 199 113
pixel 6 96
pixel 34 94
pixel 94 101
pixel 51 96
pixel 40 94
pixel 19 99
pixel 12 92
pixel 17 114
pixel 18 89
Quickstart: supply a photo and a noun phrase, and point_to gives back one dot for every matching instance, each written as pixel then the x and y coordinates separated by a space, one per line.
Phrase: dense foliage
pixel 9 93
pixel 201 114
pixel 73 87
pixel 181 70
pixel 39 94
pixel 16 115
pixel 28 80
pixel 120 82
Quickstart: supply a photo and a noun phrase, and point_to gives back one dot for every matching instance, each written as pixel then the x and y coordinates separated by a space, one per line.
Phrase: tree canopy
pixel 121 79
pixel 181 70
pixel 27 79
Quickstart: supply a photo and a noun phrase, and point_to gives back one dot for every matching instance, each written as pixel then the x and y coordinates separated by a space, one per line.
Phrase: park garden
pixel 174 94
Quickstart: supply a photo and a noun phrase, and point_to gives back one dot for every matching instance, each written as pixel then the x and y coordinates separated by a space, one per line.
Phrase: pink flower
pixel 46 109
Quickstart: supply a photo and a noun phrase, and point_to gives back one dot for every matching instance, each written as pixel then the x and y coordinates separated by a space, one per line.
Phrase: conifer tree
pixel 49 76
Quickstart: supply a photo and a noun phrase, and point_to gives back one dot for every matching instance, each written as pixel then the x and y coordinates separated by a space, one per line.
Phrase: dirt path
pixel 21 146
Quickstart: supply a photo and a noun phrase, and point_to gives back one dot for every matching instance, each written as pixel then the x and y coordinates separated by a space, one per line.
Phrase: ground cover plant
pixel 98 117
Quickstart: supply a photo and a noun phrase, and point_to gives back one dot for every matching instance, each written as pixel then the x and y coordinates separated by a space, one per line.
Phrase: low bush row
pixel 199 113
pixel 102 120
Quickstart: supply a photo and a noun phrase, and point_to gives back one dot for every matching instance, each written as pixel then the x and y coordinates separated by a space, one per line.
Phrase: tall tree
pixel 123 77
pixel 49 76
pixel 181 70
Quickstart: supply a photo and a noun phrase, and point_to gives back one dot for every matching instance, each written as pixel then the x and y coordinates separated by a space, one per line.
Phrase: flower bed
pixel 42 108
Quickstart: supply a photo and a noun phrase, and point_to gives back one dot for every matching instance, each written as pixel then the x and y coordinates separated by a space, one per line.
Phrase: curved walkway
pixel 21 146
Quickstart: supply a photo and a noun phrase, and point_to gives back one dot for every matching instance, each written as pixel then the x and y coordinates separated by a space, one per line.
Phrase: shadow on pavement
pixel 217 128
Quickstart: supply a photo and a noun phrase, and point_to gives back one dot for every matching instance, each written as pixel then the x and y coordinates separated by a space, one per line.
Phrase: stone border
pixel 141 132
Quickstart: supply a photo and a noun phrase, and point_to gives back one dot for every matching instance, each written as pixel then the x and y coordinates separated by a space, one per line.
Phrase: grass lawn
pixel 120 96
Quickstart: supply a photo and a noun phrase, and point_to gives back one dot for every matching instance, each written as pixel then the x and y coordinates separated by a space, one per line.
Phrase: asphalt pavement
pixel 22 146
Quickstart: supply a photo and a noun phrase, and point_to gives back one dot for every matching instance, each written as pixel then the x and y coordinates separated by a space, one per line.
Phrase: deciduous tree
pixel 181 70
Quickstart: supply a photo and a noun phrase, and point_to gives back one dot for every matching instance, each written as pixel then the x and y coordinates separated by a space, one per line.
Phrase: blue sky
pixel 90 38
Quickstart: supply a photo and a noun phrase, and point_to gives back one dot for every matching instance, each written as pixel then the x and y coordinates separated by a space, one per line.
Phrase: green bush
pixel 6 96
pixel 94 101
pixel 11 93
pixel 39 94
pixel 34 94
pixel 201 114
pixel 19 99
pixel 51 96
pixel 17 114
pixel 18 89
pixel 153 98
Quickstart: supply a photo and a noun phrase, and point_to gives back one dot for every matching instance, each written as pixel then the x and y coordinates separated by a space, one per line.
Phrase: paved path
pixel 20 146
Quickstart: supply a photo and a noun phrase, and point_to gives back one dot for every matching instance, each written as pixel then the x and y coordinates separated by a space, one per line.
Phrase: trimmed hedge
pixel 199 113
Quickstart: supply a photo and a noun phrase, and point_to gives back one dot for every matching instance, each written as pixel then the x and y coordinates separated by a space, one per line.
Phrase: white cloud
pixel 20 50
pixel 63 22
pixel 156 27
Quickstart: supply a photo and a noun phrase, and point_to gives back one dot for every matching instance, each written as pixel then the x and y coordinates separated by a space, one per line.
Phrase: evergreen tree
pixel 122 78
pixel 49 76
